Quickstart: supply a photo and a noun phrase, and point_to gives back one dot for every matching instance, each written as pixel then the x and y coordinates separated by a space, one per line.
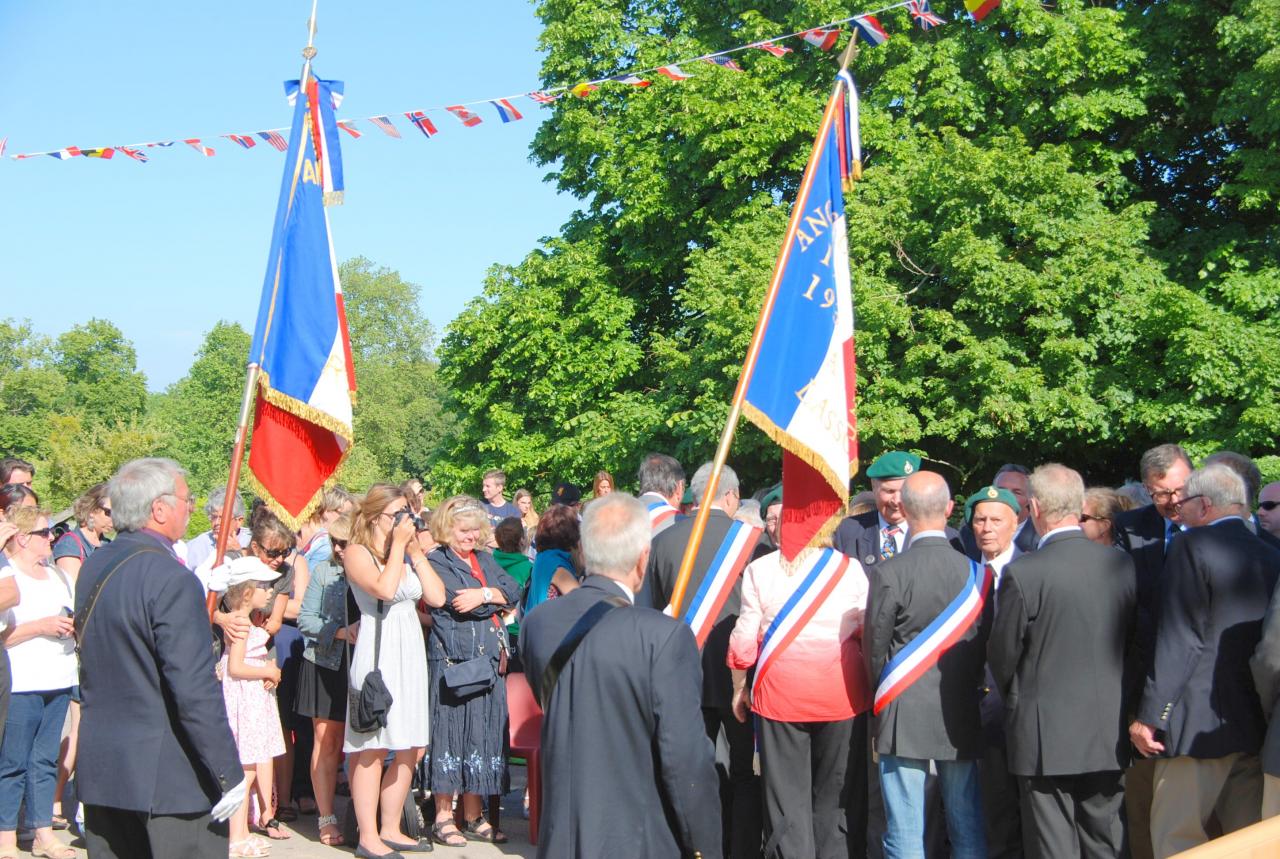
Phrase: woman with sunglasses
pixel 41 648
pixel 326 627
pixel 1101 507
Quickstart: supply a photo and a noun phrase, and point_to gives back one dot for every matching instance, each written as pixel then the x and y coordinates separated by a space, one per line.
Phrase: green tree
pixel 82 454
pixel 30 389
pixel 100 366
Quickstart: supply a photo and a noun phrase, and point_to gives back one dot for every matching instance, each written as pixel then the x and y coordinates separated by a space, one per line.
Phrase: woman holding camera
pixel 387 572
pixel 467 654
pixel 42 654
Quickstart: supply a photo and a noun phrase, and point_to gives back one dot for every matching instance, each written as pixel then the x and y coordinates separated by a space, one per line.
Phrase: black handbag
pixel 472 677
pixel 367 709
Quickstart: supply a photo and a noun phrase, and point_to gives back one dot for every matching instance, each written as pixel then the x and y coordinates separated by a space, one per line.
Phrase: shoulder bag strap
pixel 377 636
pixel 569 645
pixel 86 611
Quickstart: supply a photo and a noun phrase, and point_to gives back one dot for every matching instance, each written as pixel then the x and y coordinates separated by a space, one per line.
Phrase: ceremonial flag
pixel 334 97
pixel 543 97
pixel 582 89
pixel 349 126
pixel 425 125
pixel 306 382
pixel 194 143
pixel 980 9
pixel 275 139
pixel 801 390
pixel 506 111
pixel 674 72
pixel 633 80
pixel 469 119
pixel 384 123
pixel 135 154
pixel 820 38
pixel 98 153
pixel 869 28
pixel 725 62
pixel 776 50
pixel 923 15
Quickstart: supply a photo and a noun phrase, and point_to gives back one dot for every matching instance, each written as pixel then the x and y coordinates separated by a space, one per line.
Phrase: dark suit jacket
pixel 153 728
pixel 1063 619
pixel 1141 533
pixel 1218 580
pixel 664 566
pixel 1266 677
pixel 859 538
pixel 627 769
pixel 936 717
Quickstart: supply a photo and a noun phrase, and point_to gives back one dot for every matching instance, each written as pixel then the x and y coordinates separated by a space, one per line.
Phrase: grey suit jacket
pixel 627 768
pixel 1064 617
pixel 936 717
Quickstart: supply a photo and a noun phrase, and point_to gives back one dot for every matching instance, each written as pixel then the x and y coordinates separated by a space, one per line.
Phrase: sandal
pixel 53 850
pixel 330 839
pixel 246 849
pixel 59 822
pixel 472 832
pixel 274 825
pixel 440 836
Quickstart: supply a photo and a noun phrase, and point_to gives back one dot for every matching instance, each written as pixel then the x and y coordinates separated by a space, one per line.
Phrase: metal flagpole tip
pixel 309 53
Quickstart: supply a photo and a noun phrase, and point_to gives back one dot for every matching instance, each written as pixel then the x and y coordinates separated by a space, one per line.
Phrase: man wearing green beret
pixel 1012 478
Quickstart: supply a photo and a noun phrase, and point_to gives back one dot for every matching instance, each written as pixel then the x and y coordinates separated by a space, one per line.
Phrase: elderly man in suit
pixel 661 484
pixel 721 555
pixel 1200 710
pixel 628 770
pixel 929 682
pixel 1063 616
pixel 1266 677
pixel 1011 478
pixel 158 766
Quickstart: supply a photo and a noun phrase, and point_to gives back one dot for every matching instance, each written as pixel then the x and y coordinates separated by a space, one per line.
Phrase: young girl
pixel 249 680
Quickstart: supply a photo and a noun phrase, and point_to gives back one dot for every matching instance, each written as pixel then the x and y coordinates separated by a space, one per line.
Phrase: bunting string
pixel 865 26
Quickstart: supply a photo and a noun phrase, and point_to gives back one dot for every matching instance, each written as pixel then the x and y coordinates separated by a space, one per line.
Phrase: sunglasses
pixel 106 510
pixel 1268 505
pixel 47 533
pixel 275 553
pixel 338 544
pixel 1085 517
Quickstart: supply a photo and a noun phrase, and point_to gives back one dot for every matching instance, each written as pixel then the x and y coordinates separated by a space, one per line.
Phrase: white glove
pixel 231 800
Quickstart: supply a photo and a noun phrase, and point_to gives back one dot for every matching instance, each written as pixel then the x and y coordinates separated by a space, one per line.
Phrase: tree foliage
pixel 1063 245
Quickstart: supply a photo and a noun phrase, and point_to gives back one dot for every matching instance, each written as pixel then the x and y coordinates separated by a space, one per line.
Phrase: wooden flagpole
pixel 753 354
pixel 251 375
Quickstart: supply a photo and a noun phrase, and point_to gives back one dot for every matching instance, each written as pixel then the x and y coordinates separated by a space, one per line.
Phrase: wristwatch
pixel 486 595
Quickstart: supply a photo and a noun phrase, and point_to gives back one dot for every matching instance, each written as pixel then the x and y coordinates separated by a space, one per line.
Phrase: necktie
pixel 1173 531
pixel 888 545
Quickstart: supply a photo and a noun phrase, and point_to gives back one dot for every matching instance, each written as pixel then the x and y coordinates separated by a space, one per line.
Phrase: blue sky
pixel 167 248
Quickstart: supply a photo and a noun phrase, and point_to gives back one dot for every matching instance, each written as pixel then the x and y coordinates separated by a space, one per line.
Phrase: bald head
pixel 926 499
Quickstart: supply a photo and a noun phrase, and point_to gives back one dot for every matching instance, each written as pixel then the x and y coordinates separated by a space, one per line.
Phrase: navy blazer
pixel 1218 580
pixel 1141 533
pixel 627 768
pixel 154 735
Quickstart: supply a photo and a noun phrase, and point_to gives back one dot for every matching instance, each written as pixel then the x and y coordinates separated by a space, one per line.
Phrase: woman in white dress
pixel 385 564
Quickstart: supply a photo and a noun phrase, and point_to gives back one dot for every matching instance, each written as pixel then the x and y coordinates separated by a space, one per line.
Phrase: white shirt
pixel 43 663
pixel 921 535
pixel 1064 529
pixel 999 562
pixel 899 538
pixel 626 591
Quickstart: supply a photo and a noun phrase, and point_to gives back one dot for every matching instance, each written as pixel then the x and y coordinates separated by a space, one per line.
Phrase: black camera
pixel 401 515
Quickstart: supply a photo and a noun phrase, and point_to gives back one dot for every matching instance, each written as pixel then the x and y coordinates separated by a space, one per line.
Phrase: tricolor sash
pixel 660 513
pixel 923 651
pixel 721 576
pixel 823 573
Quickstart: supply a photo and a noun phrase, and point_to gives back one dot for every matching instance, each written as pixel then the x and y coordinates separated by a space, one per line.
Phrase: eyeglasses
pixel 275 553
pixel 1085 517
pixel 47 533
pixel 188 500
pixel 1178 506
pixel 1268 505
pixel 1164 496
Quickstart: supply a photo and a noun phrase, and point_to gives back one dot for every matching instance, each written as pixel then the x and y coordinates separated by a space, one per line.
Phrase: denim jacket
pixel 323 613
pixel 457 637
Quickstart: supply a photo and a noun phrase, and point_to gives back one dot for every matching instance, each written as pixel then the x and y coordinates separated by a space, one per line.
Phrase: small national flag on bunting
pixel 135 154
pixel 725 62
pixel 160 143
pixel 506 111
pixel 674 72
pixel 274 138
pixel 3 142
pixel 384 124
pixel 870 29
pixel 194 143
pixel 631 80
pixel 776 50
pixel 582 89
pixel 469 119
pixel 64 154
pixel 349 126
pixel 425 125
pixel 980 9
pixel 824 39
pixel 243 139
pixel 543 97
pixel 98 153
pixel 923 15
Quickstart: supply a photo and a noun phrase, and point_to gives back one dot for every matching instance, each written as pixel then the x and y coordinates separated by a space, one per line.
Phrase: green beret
pixel 773 496
pixel 894 464
pixel 990 493
pixel 688 498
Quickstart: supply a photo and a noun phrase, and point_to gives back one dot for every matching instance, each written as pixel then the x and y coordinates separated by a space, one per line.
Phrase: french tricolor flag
pixel 469 119
pixel 869 28
pixel 64 154
pixel 506 111
pixel 822 38
pixel 674 72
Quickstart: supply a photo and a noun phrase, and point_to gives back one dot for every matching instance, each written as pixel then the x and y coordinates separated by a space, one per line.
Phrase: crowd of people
pixel 1043 669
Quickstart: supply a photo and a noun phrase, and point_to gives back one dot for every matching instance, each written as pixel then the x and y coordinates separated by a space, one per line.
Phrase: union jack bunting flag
pixel 725 62
pixel 275 139
pixel 349 126
pixel 384 123
pixel 425 125
pixel 776 50
pixel 923 15
pixel 544 97
pixel 135 154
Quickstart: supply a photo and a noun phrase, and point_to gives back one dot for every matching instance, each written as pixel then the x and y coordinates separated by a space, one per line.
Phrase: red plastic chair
pixel 525 728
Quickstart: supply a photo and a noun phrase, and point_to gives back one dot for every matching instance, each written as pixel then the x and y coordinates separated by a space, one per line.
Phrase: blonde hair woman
pixel 467 654
pixel 388 574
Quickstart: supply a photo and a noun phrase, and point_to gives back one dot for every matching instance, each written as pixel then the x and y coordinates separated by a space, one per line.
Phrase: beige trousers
pixel 1190 790
pixel 1139 780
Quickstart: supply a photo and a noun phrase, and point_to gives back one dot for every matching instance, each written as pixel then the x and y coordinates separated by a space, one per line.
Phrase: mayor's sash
pixel 660 514
pixel 819 576
pixel 730 560
pixel 923 651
